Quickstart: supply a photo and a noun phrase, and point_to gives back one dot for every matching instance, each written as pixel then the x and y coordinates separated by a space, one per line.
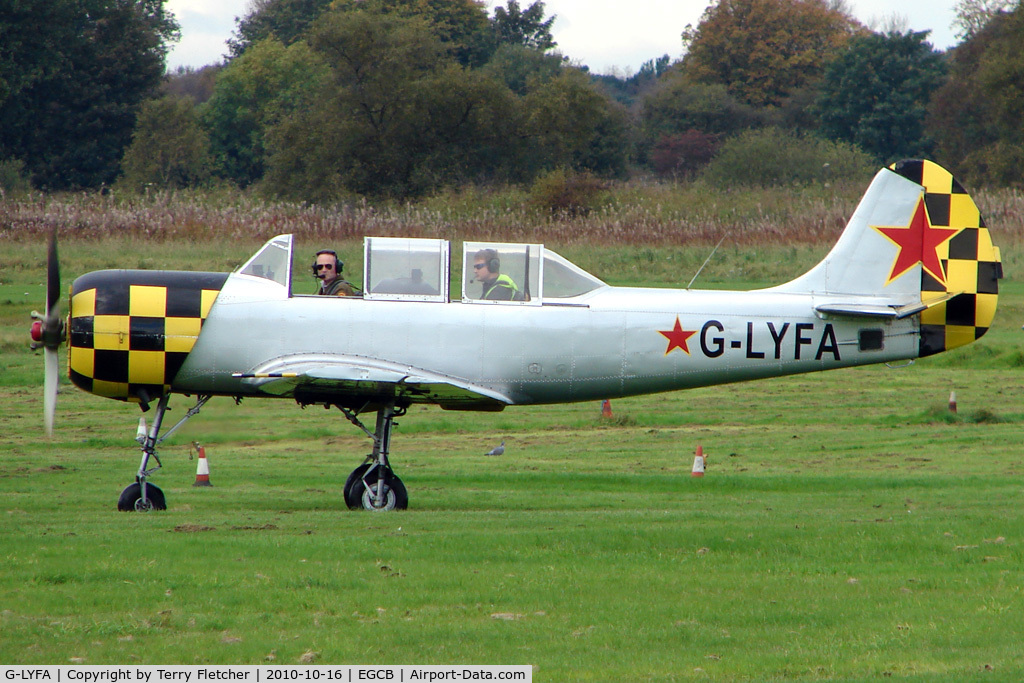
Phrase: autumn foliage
pixel 765 50
pixel 338 101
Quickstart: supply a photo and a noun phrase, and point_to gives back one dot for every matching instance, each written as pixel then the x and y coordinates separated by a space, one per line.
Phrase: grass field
pixel 849 527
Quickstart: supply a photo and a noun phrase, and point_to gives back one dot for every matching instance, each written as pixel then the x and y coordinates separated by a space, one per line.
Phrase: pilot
pixel 487 269
pixel 327 268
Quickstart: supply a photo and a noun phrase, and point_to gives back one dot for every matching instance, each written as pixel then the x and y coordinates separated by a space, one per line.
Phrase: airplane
pixel 913 274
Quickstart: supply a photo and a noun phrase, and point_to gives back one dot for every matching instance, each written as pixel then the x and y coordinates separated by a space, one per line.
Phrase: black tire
pixel 131 497
pixel 395 495
pixel 356 475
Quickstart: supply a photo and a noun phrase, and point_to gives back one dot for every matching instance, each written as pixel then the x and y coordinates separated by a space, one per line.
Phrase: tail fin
pixel 969 261
pixel 916 244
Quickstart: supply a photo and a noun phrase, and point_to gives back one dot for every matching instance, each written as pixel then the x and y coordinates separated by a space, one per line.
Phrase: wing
pixel 355 380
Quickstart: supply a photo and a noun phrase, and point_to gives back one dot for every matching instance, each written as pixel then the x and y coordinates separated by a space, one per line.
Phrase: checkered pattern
pixel 970 261
pixel 131 331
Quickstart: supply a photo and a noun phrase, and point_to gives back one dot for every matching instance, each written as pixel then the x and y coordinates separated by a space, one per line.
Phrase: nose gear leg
pixel 143 496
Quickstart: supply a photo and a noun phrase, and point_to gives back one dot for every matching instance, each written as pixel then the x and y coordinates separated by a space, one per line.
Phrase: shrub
pixel 684 154
pixel 168 149
pixel 995 165
pixel 773 156
pixel 12 177
pixel 564 193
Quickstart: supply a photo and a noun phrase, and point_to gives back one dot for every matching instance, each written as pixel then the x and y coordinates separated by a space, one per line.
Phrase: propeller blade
pixel 50 388
pixel 50 334
pixel 52 278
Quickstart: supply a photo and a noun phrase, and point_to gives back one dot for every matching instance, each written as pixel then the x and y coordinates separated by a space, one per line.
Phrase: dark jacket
pixel 337 287
pixel 502 288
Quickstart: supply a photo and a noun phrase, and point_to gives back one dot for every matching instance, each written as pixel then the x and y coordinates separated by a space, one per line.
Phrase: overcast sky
pixel 603 34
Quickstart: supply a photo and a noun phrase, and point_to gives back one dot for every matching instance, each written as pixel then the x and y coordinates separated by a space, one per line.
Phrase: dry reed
pixel 636 214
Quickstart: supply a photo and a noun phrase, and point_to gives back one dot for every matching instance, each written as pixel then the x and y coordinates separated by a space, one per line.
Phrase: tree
pixel 875 94
pixel 973 15
pixel 627 89
pixel 677 105
pixel 284 20
pixel 168 149
pixel 468 130
pixel 653 69
pixel 682 120
pixel 397 115
pixel 395 118
pixel 462 26
pixel 764 50
pixel 186 81
pixel 251 95
pixel 522 68
pixel 975 116
pixel 524 27
pixel 72 76
pixel 569 123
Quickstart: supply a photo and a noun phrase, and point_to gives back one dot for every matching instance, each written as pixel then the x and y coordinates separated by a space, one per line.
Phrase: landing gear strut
pixel 143 496
pixel 373 485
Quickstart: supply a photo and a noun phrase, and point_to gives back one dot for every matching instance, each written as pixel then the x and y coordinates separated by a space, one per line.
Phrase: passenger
pixel 496 287
pixel 327 268
pixel 406 285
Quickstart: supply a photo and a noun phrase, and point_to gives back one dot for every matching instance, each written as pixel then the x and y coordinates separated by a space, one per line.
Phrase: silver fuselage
pixel 605 344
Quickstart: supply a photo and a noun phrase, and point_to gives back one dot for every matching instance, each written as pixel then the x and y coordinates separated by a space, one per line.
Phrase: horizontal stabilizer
pixel 885 311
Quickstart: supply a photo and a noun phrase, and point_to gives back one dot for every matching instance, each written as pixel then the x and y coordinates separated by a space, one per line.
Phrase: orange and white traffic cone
pixel 698 463
pixel 202 468
pixel 606 408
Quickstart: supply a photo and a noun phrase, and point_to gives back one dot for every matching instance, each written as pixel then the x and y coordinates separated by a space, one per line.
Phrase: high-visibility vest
pixel 504 282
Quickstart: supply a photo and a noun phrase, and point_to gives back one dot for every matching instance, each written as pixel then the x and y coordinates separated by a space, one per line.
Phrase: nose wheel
pixel 131 499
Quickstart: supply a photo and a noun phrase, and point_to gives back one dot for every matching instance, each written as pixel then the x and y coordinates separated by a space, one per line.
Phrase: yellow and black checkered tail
pixel 130 331
pixel 961 294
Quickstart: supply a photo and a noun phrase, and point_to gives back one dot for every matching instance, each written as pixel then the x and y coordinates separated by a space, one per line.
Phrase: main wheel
pixel 356 475
pixel 363 496
pixel 131 499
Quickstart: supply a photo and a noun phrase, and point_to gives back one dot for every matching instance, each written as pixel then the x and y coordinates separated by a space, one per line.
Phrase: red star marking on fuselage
pixel 677 338
pixel 918 243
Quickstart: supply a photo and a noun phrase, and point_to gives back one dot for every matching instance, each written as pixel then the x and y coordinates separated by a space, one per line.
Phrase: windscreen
pixel 272 262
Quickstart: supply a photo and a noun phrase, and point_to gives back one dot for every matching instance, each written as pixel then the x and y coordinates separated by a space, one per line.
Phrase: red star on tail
pixel 677 338
pixel 918 243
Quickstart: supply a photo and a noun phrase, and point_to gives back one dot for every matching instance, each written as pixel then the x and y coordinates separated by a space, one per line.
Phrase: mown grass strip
pixel 849 527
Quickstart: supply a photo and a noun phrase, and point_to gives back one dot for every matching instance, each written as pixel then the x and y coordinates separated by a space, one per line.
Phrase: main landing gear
pixel 373 485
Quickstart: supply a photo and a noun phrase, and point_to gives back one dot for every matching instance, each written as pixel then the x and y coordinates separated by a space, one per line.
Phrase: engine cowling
pixel 130 331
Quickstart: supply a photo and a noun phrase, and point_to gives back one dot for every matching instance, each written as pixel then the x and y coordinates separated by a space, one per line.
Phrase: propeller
pixel 48 334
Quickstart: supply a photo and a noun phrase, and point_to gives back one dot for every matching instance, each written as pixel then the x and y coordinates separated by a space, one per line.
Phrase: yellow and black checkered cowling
pixel 130 331
pixel 969 260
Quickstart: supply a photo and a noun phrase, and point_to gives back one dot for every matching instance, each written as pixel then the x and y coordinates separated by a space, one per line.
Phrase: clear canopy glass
pixel 272 262
pixel 402 268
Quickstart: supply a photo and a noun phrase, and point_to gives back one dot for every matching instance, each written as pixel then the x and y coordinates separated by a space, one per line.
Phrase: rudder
pixel 969 266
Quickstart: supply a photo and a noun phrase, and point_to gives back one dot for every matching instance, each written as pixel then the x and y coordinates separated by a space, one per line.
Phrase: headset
pixel 338 264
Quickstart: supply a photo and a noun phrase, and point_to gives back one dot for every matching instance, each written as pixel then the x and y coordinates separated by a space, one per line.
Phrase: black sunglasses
pixel 328 266
pixel 478 266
